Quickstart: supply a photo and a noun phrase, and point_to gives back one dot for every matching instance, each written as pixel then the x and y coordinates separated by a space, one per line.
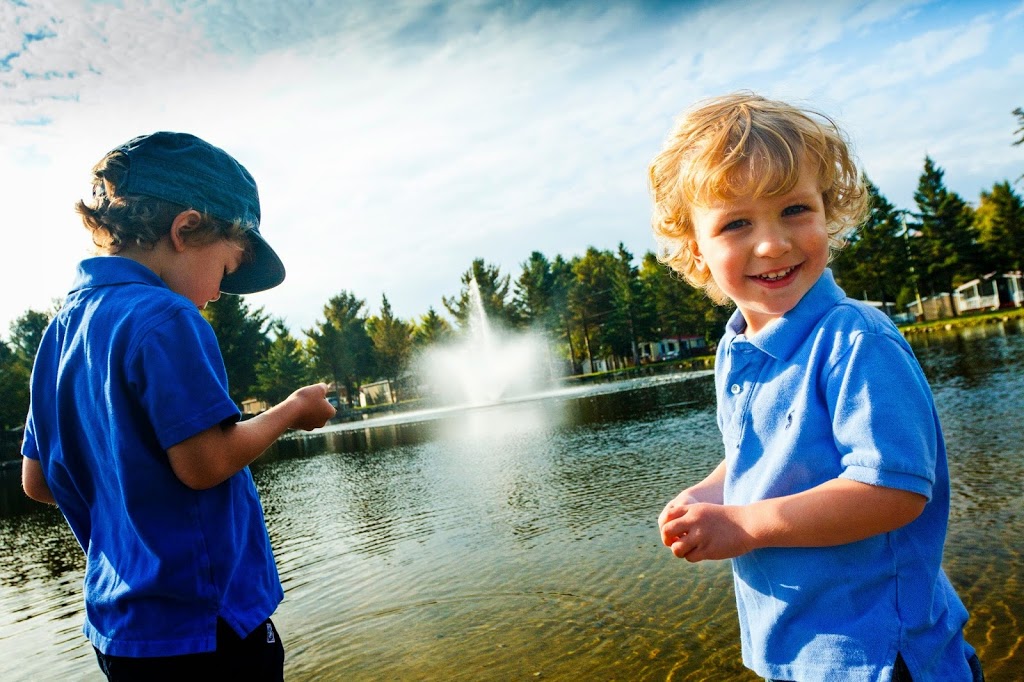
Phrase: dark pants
pixel 259 657
pixel 901 674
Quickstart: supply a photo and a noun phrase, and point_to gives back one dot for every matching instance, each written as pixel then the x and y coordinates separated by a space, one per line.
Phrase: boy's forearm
pixel 215 455
pixel 711 489
pixel 834 513
pixel 250 438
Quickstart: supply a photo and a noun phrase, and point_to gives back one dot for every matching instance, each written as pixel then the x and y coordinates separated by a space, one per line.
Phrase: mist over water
pixel 486 365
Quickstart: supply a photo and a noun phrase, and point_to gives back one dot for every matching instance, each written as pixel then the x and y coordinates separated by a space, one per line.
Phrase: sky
pixel 394 141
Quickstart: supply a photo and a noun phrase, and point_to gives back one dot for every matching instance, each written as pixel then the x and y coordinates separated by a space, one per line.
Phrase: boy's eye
pixel 735 224
pixel 794 210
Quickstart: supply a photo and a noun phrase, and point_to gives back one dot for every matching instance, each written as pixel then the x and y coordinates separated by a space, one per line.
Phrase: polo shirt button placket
pixel 735 388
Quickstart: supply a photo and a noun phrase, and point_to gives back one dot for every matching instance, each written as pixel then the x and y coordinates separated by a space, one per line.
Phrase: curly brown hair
pixel 744 144
pixel 119 222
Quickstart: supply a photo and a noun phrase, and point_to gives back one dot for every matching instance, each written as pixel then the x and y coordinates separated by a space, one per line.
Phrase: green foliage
pixel 392 341
pixel 634 318
pixel 284 368
pixel 14 381
pixel 16 358
pixel 680 310
pixel 592 302
pixel 874 263
pixel 535 293
pixel 494 295
pixel 242 335
pixel 1019 132
pixel 946 243
pixel 431 329
pixel 339 345
pixel 999 220
pixel 27 334
pixel 542 296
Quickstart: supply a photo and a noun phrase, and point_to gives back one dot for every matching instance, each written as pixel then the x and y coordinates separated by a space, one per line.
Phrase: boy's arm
pixel 212 456
pixel 33 481
pixel 834 513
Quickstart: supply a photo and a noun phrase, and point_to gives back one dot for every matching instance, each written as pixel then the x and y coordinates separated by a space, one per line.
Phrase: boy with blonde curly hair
pixel 833 497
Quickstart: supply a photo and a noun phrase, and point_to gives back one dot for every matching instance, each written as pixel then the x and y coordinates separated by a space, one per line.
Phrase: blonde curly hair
pixel 744 144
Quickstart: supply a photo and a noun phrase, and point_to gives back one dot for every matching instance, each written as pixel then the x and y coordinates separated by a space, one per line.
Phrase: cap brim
pixel 264 271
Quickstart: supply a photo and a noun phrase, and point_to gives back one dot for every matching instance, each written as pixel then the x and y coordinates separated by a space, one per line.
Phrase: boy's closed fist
pixel 314 410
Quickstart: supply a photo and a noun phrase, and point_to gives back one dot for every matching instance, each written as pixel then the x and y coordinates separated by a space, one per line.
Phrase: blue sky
pixel 394 142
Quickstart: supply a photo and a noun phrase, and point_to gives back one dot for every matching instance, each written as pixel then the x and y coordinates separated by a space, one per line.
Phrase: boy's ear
pixel 183 224
pixel 698 257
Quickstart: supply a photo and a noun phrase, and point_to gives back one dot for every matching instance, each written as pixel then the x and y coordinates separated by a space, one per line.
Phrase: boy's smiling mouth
pixel 776 275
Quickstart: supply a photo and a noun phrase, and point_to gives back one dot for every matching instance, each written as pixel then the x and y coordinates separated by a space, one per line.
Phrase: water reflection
pixel 966 356
pixel 518 541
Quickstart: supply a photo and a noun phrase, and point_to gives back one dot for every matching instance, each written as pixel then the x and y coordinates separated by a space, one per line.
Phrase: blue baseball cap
pixel 183 169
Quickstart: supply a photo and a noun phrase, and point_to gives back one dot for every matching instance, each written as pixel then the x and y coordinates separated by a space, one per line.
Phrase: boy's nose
pixel 772 241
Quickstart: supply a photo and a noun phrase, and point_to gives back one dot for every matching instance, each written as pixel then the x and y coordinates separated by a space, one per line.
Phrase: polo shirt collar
pixel 110 270
pixel 781 338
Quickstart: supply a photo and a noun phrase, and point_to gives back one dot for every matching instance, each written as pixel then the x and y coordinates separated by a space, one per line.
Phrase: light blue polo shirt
pixel 832 390
pixel 127 369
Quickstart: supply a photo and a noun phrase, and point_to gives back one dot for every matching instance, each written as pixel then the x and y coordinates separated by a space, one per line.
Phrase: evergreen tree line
pixel 601 305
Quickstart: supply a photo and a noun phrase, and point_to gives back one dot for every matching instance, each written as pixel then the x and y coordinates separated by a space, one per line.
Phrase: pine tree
pixel 874 262
pixel 534 291
pixel 562 282
pixel 285 367
pixel 431 329
pixel 14 383
pixel 634 317
pixel 339 345
pixel 680 309
pixel 591 301
pixel 999 220
pixel 494 296
pixel 242 335
pixel 392 342
pixel 946 245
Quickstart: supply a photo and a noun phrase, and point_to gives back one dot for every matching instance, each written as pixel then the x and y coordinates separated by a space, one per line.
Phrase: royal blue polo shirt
pixel 832 390
pixel 125 370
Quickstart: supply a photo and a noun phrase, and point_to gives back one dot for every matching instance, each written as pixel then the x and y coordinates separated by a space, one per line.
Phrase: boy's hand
pixel 698 531
pixel 674 509
pixel 313 410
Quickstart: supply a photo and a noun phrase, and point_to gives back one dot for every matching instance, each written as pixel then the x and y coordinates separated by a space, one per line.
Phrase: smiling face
pixel 764 252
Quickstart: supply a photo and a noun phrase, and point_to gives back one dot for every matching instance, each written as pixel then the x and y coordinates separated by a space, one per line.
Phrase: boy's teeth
pixel 778 274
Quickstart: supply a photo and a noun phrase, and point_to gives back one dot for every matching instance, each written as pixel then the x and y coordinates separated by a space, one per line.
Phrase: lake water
pixel 519 542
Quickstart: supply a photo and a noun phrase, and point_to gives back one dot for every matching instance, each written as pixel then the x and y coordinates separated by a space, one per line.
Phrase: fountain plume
pixel 487 365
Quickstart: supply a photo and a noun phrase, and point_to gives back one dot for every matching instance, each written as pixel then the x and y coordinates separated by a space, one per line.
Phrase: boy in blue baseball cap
pixel 131 430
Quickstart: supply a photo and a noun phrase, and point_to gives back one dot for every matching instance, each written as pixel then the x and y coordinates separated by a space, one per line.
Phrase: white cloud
pixel 393 144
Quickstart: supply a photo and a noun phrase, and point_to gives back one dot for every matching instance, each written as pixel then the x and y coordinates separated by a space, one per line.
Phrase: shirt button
pixel 735 389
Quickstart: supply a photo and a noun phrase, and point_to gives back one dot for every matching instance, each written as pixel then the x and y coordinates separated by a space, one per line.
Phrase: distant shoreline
pixel 975 320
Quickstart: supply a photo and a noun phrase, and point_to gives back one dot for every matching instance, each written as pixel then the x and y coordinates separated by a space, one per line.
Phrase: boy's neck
pixel 154 258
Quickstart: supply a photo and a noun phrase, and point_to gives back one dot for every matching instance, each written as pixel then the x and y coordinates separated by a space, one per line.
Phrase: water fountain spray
pixel 487 365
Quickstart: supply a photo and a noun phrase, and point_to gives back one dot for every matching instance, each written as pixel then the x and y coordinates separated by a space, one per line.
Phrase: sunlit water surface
pixel 518 542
